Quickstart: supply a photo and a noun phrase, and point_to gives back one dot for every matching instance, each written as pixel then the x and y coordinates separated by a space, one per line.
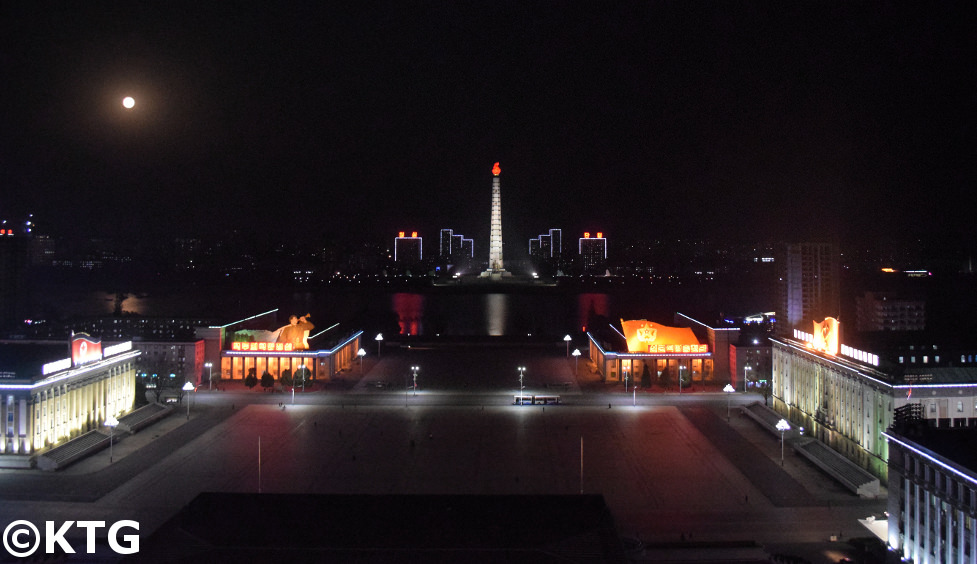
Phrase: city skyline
pixel 707 121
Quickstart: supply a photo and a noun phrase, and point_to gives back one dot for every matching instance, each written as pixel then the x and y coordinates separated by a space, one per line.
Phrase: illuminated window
pixel 960 407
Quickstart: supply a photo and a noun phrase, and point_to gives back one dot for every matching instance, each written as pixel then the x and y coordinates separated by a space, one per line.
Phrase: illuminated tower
pixel 495 234
pixel 495 267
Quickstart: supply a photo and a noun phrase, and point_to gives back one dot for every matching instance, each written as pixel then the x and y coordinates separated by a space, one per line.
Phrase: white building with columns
pixel 46 400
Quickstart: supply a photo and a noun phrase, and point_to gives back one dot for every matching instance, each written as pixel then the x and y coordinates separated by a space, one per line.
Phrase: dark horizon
pixel 732 122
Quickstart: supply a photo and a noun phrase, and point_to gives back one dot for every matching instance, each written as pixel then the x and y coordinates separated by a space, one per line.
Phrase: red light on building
pixel 496 170
pixel 413 234
pixel 262 347
pixel 586 234
pixel 600 235
pixel 400 234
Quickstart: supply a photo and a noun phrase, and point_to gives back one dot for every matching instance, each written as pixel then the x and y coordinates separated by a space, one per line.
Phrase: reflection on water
pixel 590 306
pixel 496 312
pixel 493 314
pixel 410 312
pixel 451 313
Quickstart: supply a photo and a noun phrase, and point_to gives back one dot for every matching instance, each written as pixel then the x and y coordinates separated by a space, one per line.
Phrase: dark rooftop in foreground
pixel 388 528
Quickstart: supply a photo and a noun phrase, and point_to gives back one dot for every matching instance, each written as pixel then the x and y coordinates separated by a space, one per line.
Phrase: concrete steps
pixel 73 450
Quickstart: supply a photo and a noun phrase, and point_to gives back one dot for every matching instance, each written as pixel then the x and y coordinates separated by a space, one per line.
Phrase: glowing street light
pixel 567 340
pixel 379 340
pixel 414 369
pixel 576 360
pixel 111 422
pixel 728 389
pixel 361 353
pixel 210 375
pixel 746 376
pixel 522 372
pixel 782 426
pixel 188 387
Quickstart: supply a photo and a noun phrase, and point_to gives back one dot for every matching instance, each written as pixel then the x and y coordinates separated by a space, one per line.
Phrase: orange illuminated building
pixel 241 358
pixel 671 354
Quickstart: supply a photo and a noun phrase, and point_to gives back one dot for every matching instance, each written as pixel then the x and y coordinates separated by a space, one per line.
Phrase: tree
pixel 645 377
pixel 302 375
pixel 286 378
pixel 765 391
pixel 140 392
pixel 665 379
pixel 251 380
pixel 267 380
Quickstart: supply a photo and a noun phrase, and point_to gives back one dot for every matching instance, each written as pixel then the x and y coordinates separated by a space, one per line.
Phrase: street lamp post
pixel 567 340
pixel 746 377
pixel 111 422
pixel 680 369
pixel 414 369
pixel 782 426
pixel 210 375
pixel 522 371
pixel 576 360
pixel 361 353
pixel 188 387
pixel 728 389
pixel 379 339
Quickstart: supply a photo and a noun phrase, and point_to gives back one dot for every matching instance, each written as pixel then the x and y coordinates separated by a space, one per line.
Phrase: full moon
pixel 128 102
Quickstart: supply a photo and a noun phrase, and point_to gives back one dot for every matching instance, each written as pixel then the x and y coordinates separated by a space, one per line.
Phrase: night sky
pixel 728 120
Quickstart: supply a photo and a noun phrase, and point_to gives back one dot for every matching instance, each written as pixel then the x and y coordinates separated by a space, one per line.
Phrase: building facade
pixel 45 403
pixel 243 358
pixel 185 360
pixel 808 285
pixel 408 250
pixel 593 253
pixel 883 311
pixel 673 356
pixel 932 492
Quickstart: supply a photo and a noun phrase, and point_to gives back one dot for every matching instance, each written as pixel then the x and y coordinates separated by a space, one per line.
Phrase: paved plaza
pixel 670 467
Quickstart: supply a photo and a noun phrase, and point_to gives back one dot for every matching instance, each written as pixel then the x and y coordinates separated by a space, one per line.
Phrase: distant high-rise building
pixel 888 312
pixel 467 248
pixel 808 285
pixel 14 261
pixel 444 249
pixel 545 251
pixel 556 244
pixel 408 250
pixel 593 253
pixel 455 249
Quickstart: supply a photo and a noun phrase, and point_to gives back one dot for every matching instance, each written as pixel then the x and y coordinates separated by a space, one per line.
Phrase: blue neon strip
pixel 931 458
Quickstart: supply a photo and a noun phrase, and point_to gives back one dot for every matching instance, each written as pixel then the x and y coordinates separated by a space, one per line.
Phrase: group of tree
pixel 287 380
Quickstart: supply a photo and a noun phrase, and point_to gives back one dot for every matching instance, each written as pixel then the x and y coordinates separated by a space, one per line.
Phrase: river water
pixel 483 311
